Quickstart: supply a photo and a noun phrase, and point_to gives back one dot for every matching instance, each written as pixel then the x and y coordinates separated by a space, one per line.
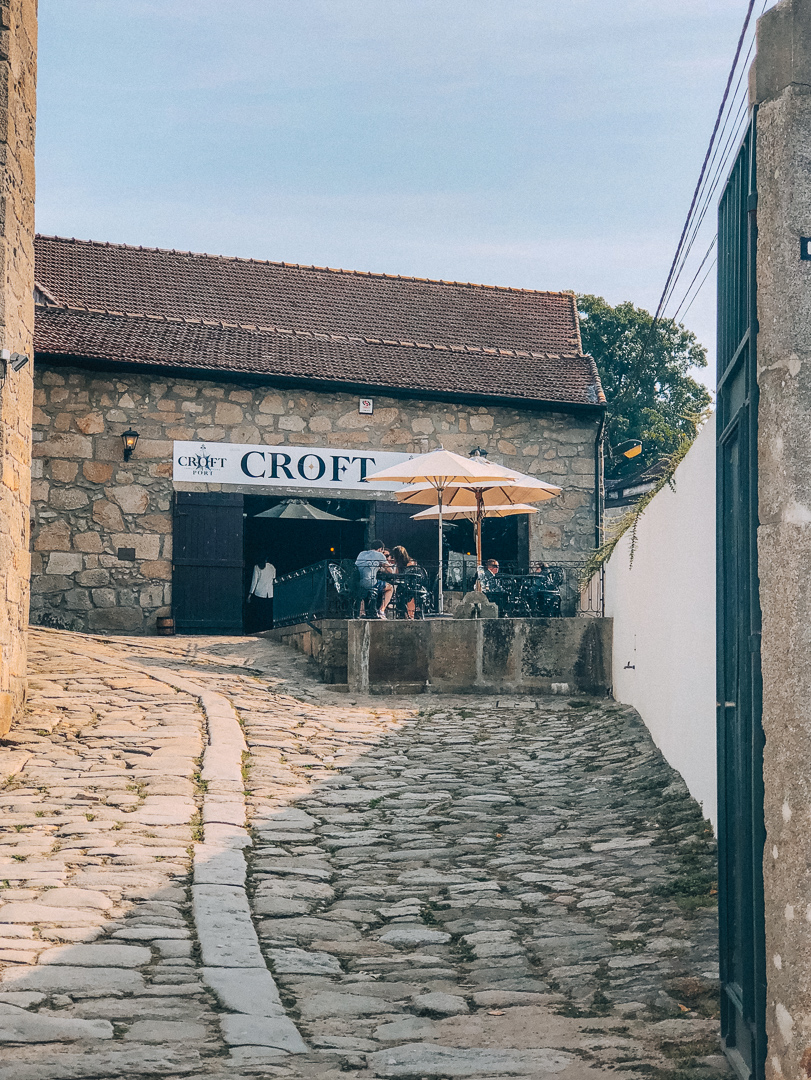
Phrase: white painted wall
pixel 664 620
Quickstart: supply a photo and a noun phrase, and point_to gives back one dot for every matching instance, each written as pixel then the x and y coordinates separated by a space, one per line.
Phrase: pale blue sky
pixel 531 143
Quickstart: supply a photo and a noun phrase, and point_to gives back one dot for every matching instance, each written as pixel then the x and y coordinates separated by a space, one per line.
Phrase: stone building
pixel 248 382
pixel 18 62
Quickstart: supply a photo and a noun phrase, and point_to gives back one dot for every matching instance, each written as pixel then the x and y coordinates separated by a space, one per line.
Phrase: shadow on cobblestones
pixel 442 887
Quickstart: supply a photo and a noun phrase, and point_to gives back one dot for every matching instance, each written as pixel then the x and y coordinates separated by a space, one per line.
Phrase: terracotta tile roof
pixel 201 312
pixel 328 358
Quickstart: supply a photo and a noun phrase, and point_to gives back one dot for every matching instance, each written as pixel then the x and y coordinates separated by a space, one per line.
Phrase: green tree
pixel 645 374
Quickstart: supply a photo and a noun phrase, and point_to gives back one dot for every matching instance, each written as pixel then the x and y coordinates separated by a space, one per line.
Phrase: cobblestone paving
pixel 443 887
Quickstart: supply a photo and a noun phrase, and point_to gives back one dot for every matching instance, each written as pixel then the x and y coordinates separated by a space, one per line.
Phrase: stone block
pixel 291 423
pixel 272 403
pixel 320 423
pixel 157 570
pixel 147 545
pixel 89 542
pixel 228 414
pixel 104 598
pixel 53 537
pixel 78 600
pixel 159 523
pixel 92 424
pixel 252 990
pixel 47 583
pixel 64 446
pixel 483 422
pixel 108 515
pixel 277 1031
pixel 64 470
pixel 93 577
pixel 70 498
pixel 151 596
pixel 97 472
pixel 116 619
pixel 133 499
pixel 63 562
pixel 21 1026
pixel 122 956
pixel 162 1031
pixel 150 449
pixel 65 980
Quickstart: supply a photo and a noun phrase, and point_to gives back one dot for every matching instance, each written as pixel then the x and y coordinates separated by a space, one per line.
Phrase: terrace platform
pixel 446 655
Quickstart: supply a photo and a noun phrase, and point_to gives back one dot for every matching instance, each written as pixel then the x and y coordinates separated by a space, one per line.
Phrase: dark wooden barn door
pixel 207 581
pixel 741 831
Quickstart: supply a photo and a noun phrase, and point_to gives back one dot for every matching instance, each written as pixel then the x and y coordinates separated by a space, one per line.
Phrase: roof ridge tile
pixel 305 266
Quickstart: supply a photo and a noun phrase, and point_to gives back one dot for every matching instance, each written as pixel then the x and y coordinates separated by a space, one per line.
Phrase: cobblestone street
pixel 214 866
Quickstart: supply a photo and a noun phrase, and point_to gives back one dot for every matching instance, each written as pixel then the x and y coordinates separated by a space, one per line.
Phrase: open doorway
pixel 304 532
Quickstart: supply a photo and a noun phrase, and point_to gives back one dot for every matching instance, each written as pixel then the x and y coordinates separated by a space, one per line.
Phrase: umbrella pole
pixel 440 598
pixel 479 513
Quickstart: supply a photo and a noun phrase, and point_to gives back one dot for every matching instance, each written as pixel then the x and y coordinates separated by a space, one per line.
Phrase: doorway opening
pixel 293 533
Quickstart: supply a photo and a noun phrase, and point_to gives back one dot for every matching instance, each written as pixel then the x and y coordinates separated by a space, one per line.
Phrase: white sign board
pixel 282 466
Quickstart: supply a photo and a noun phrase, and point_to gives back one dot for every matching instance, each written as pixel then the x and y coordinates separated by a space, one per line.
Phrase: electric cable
pixel 705 163
pixel 701 286
pixel 725 142
pixel 692 283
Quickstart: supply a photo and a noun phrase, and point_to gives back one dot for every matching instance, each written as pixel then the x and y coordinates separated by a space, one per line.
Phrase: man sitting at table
pixel 492 584
pixel 488 575
pixel 370 563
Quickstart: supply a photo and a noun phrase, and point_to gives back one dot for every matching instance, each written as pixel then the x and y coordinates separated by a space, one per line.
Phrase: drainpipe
pixel 599 483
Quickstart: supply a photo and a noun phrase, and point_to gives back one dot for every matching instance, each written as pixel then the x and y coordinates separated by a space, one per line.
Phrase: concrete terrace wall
pixel 485 656
pixel 663 609
pixel 86 502
pixel 18 62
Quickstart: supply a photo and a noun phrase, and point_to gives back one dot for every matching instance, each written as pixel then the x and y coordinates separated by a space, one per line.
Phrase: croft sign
pixel 281 466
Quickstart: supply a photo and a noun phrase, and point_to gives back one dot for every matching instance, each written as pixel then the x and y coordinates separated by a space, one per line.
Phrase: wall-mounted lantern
pixel 130 440
pixel 631 448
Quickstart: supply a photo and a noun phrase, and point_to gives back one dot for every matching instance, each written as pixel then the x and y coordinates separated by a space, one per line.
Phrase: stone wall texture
pixel 18 58
pixel 782 87
pixel 87 503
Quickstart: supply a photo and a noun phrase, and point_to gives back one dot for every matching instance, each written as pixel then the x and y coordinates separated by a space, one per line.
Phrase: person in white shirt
pixel 260 596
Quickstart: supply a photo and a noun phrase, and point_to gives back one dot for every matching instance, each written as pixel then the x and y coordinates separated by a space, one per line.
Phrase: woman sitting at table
pixel 407 567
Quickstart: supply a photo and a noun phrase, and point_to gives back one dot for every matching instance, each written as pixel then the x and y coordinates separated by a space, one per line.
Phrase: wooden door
pixel 207 583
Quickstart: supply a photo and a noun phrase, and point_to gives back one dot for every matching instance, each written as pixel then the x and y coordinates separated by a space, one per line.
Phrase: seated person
pixel 488 576
pixel 370 563
pixel 407 567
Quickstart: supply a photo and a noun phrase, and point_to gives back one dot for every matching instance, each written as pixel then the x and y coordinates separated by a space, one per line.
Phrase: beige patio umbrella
pixel 454 514
pixel 477 496
pixel 439 471
pixel 475 513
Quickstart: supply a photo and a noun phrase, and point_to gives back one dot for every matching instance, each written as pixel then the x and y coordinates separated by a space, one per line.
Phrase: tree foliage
pixel 644 369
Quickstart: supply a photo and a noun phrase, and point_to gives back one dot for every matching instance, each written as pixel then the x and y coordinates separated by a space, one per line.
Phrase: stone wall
pixel 782 87
pixel 18 57
pixel 87 503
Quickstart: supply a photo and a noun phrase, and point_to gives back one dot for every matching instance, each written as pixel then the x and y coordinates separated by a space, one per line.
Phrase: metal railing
pixel 330 590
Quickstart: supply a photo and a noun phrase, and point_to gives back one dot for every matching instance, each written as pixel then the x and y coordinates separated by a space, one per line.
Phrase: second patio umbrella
pixel 439 471
pixel 477 496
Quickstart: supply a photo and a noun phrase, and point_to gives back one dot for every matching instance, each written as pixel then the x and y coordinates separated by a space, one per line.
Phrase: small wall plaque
pixel 126 554
pixel 366 406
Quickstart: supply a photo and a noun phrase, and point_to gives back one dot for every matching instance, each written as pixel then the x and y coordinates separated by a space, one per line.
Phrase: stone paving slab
pixel 441 886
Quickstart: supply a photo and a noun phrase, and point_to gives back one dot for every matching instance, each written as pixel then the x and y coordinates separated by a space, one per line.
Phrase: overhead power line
pixel 704 166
